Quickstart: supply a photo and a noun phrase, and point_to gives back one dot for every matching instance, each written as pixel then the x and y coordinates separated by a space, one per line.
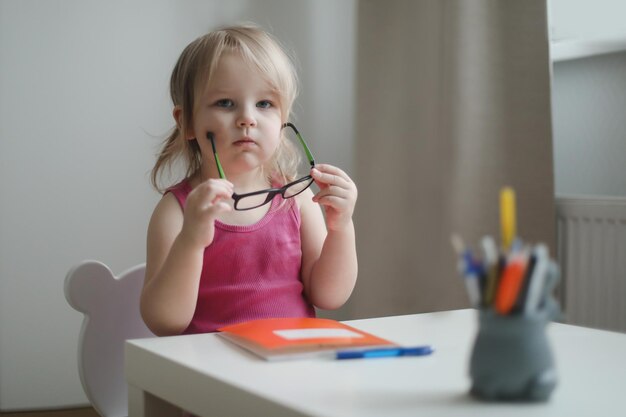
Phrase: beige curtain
pixel 453 102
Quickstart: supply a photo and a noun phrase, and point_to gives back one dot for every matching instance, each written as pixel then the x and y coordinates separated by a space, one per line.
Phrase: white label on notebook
pixel 298 334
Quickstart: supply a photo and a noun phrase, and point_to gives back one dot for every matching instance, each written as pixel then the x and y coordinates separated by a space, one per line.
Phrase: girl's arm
pixel 175 251
pixel 329 261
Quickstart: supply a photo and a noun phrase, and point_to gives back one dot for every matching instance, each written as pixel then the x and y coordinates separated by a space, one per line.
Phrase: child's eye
pixel 225 102
pixel 264 104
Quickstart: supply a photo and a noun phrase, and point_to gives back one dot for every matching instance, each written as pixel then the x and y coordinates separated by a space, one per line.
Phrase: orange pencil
pixel 511 282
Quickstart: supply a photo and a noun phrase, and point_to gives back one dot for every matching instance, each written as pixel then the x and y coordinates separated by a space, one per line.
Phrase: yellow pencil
pixel 507 217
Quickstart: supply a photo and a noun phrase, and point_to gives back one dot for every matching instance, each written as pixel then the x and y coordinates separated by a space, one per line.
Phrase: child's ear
pixel 178 117
pixel 177 113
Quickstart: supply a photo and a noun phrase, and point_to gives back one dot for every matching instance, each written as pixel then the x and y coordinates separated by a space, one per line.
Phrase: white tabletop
pixel 209 376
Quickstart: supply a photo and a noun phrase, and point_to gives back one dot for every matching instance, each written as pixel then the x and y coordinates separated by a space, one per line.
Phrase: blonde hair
pixel 194 70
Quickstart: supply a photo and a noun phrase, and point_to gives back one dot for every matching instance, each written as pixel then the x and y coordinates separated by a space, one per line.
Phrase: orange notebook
pixel 297 338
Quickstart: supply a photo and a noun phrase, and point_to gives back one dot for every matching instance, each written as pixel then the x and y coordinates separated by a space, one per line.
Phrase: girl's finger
pixel 206 197
pixel 331 169
pixel 214 188
pixel 219 207
pixel 336 203
pixel 330 178
pixel 332 190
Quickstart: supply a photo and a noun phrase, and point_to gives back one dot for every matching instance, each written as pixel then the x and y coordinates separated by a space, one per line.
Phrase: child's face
pixel 242 110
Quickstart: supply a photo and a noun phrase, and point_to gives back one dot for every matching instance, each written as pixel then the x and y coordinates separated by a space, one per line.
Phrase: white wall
pixel 587 19
pixel 589 102
pixel 589 98
pixel 83 107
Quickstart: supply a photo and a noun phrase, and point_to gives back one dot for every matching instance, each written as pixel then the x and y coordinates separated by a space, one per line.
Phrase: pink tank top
pixel 250 272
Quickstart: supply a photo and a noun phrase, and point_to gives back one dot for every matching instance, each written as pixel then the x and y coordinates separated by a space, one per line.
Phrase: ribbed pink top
pixel 250 272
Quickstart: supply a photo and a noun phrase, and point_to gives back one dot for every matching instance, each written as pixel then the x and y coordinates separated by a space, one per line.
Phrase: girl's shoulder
pixel 172 202
pixel 166 219
pixel 180 190
pixel 167 206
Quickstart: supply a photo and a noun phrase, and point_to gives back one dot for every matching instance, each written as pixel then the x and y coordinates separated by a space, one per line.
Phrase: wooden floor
pixel 74 412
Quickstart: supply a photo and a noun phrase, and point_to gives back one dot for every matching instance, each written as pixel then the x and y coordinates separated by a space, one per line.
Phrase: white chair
pixel 111 308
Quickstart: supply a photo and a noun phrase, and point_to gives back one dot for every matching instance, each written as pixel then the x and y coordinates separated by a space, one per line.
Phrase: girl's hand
pixel 337 195
pixel 204 204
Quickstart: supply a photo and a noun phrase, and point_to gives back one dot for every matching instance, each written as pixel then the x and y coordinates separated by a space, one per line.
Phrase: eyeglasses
pixel 256 199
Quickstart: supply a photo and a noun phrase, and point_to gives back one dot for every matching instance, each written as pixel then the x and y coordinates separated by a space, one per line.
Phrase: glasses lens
pixel 297 187
pixel 251 201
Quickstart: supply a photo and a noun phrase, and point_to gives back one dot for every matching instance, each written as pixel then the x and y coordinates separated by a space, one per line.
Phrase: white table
pixel 207 376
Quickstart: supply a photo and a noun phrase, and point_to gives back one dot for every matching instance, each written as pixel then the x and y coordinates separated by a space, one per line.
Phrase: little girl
pixel 216 254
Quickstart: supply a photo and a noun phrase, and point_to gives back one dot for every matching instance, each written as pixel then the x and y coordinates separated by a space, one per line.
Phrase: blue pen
pixel 384 352
pixel 472 270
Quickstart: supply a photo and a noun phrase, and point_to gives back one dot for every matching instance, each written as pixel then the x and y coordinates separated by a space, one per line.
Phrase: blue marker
pixel 384 352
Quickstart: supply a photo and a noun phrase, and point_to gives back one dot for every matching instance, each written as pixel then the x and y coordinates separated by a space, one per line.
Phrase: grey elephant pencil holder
pixel 511 357
pixel 512 288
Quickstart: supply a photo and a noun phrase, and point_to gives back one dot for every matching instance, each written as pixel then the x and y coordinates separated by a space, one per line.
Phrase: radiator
pixel 591 244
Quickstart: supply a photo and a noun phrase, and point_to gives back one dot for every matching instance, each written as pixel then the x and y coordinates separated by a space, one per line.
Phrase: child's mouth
pixel 245 141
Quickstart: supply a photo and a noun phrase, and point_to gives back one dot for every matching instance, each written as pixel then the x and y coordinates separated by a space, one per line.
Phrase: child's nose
pixel 246 119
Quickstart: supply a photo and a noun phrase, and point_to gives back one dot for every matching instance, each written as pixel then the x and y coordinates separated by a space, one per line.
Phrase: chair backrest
pixel 111 308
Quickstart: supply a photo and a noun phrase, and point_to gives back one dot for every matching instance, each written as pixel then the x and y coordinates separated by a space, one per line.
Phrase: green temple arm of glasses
pixel 309 155
pixel 210 136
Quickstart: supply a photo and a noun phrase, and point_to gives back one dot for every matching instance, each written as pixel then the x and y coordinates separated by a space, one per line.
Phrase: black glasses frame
pixel 271 192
